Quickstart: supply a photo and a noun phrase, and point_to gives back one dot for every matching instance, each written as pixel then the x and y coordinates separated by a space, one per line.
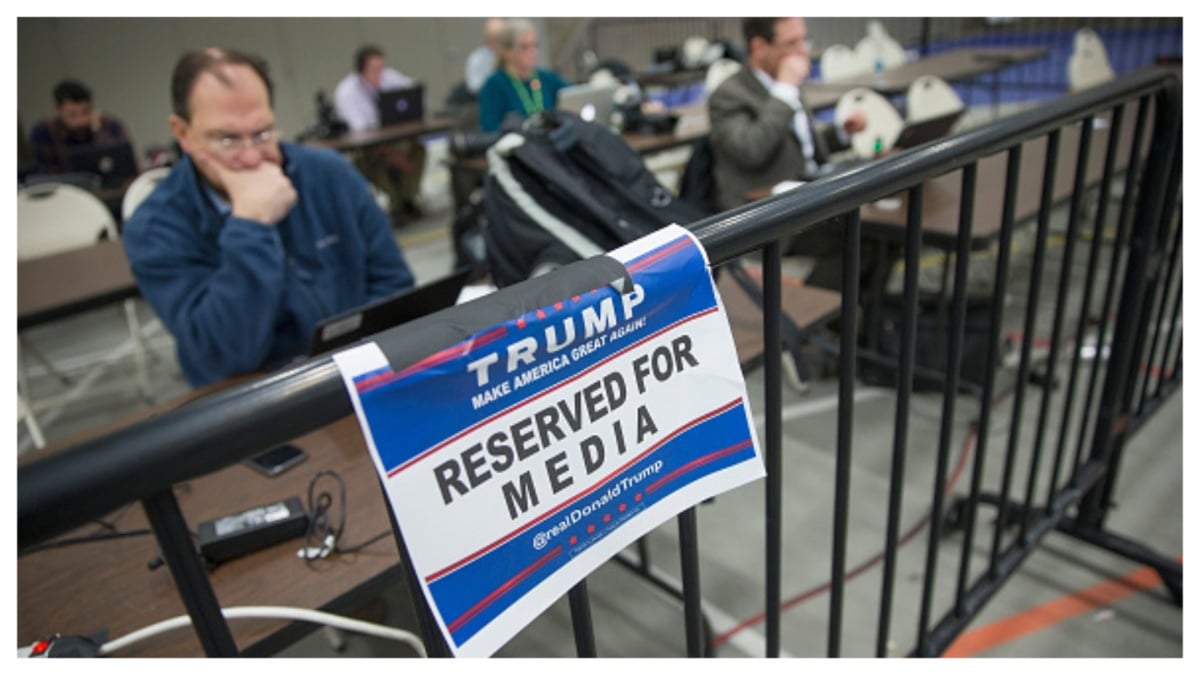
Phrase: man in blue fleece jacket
pixel 249 242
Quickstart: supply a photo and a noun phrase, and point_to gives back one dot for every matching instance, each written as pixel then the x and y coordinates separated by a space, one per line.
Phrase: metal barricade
pixel 1141 301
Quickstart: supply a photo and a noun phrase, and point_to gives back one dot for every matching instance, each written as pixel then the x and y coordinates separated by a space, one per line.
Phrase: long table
pixel 88 587
pixel 368 138
pixel 953 66
pixel 942 195
pixel 60 285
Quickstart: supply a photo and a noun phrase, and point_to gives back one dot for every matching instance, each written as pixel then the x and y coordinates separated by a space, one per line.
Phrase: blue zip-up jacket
pixel 241 296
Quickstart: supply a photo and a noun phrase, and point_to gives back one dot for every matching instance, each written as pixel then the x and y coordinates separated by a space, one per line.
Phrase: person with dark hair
pixel 396 168
pixel 76 124
pixel 248 242
pixel 761 131
pixel 518 86
pixel 762 134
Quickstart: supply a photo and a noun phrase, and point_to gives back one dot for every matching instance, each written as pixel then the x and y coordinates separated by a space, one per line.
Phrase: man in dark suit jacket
pixel 762 134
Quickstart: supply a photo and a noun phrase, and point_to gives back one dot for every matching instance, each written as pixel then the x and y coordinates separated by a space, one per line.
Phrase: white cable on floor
pixel 290 613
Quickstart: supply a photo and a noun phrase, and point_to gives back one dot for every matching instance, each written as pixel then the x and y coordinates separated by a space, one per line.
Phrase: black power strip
pixel 257 528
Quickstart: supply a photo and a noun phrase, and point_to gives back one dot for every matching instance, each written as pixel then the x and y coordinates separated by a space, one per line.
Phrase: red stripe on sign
pixel 447 354
pixel 664 252
pixel 696 463
pixel 496 594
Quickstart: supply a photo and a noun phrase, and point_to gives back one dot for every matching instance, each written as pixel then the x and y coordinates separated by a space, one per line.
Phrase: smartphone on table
pixel 276 460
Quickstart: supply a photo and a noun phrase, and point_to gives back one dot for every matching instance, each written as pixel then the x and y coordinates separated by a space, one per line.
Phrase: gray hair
pixel 512 30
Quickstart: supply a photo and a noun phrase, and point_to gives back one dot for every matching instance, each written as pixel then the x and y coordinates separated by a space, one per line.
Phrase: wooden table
pixel 107 585
pixel 367 138
pixel 952 66
pixel 56 286
pixel 942 195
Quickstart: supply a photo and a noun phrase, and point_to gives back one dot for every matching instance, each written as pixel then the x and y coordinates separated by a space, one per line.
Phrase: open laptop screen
pixel 413 303
pixel 397 106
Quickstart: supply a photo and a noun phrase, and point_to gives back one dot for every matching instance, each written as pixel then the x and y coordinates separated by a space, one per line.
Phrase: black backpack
pixel 560 189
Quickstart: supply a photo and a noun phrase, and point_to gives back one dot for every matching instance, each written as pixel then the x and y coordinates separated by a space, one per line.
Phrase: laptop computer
pixel 591 102
pixel 413 303
pixel 112 162
pixel 916 133
pixel 912 135
pixel 397 106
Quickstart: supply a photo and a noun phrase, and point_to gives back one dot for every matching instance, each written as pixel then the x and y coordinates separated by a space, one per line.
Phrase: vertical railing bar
pixel 1164 375
pixel 581 620
pixel 841 494
pixel 1124 225
pixel 1166 192
pixel 962 260
pixel 908 340
pixel 1039 261
pixel 1160 184
pixel 1085 305
pixel 191 579
pixel 1059 316
pixel 1039 256
pixel 773 383
pixel 431 635
pixel 1165 287
pixel 689 563
pixel 1011 180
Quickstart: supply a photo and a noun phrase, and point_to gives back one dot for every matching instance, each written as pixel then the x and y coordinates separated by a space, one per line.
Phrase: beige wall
pixel 127 62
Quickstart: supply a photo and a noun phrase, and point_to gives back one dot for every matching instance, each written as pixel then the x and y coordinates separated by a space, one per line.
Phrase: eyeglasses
pixel 231 144
pixel 794 43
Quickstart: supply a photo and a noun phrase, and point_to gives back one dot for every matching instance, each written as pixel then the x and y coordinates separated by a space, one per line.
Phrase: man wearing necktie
pixel 761 133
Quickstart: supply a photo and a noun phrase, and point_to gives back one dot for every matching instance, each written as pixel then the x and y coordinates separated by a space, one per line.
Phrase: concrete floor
pixel 633 619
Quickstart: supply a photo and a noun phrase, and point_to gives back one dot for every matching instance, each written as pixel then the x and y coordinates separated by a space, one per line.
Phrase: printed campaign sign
pixel 520 459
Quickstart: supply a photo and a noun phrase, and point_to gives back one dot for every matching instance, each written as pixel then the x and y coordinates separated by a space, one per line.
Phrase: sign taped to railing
pixel 520 459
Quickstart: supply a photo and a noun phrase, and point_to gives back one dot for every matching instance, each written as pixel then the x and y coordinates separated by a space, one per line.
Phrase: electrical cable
pixel 862 567
pixel 904 538
pixel 262 612
pixel 321 530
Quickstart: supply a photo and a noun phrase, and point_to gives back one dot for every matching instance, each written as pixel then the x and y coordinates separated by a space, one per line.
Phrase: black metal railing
pixel 1140 308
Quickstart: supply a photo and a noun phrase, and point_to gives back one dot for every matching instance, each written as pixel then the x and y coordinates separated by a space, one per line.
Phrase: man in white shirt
pixel 396 168
pixel 481 62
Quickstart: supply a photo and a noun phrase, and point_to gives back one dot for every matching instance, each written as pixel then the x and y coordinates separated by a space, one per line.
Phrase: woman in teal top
pixel 517 86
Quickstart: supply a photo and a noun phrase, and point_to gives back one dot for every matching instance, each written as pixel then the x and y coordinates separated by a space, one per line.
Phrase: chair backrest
pixel 875 28
pixel 931 96
pixel 880 52
pixel 839 62
pixel 140 188
pixel 718 72
pixel 883 121
pixel 87 181
pixel 52 218
pixel 1088 65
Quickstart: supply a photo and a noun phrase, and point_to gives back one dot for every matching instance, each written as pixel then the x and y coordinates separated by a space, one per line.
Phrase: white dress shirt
pixel 481 63
pixel 790 94
pixel 357 102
